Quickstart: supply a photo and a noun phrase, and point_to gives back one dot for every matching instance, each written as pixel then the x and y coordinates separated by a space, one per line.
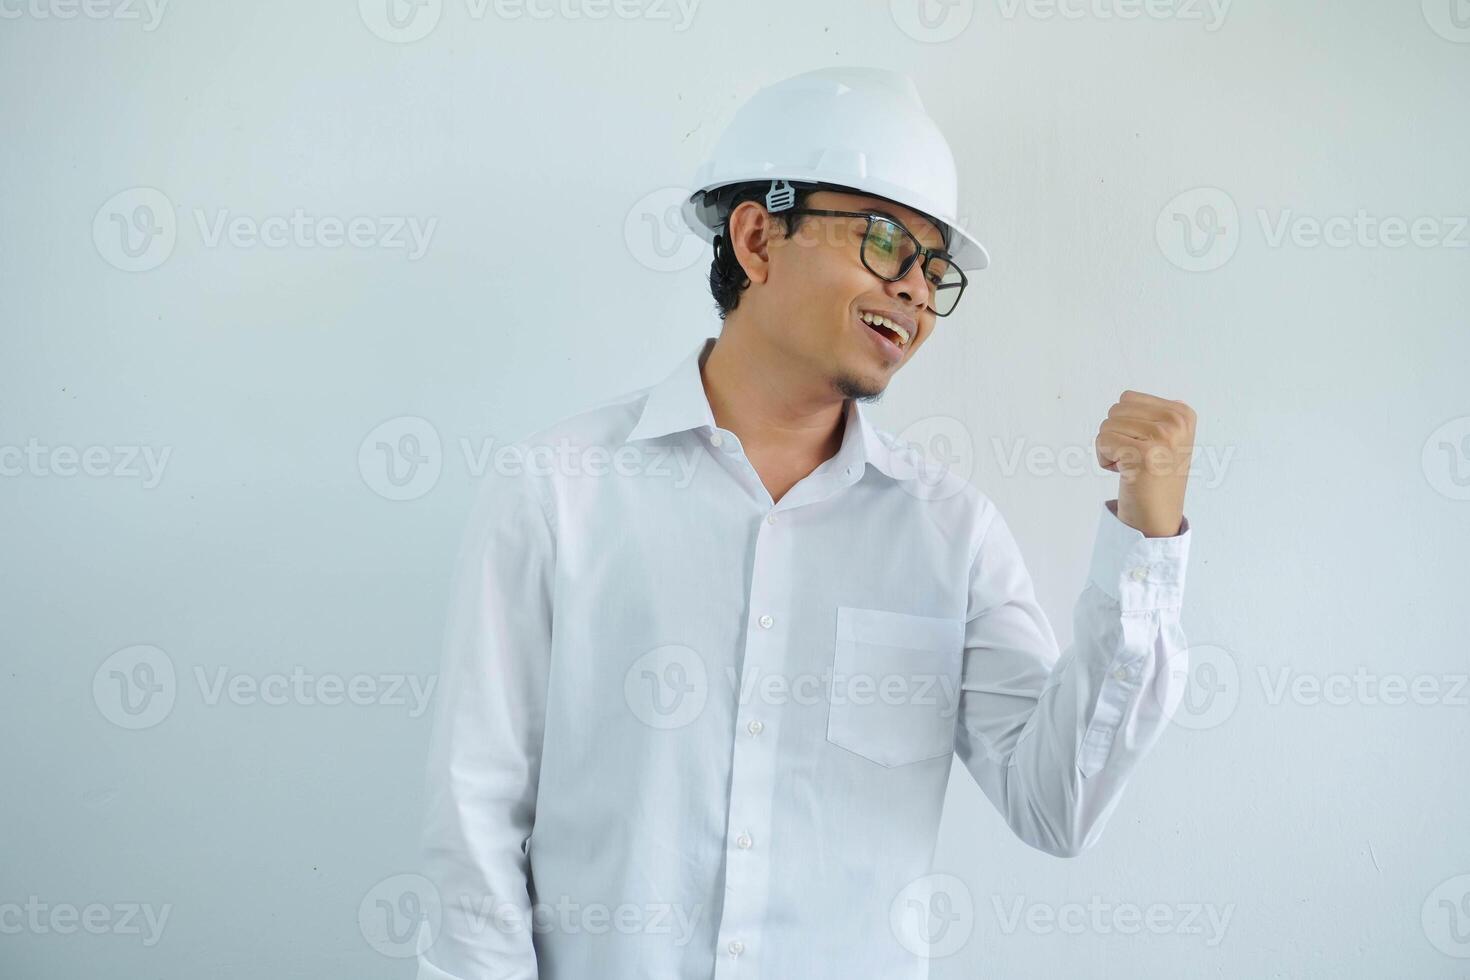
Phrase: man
pixel 716 641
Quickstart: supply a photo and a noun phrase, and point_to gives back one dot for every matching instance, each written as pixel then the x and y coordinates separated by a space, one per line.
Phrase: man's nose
pixel 913 288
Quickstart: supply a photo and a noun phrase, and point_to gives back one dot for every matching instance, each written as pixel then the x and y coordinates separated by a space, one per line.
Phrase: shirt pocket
pixel 895 688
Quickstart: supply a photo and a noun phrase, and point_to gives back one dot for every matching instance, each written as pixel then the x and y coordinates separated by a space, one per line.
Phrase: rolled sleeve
pixel 1053 737
pixel 1137 572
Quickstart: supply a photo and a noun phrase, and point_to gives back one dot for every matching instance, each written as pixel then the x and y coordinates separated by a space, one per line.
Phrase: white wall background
pixel 1330 381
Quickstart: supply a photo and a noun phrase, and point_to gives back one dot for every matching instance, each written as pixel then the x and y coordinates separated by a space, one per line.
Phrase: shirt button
pixel 766 622
pixel 717 439
pixel 755 727
pixel 1121 673
pixel 1140 573
pixel 743 841
pixel 736 947
pixel 771 517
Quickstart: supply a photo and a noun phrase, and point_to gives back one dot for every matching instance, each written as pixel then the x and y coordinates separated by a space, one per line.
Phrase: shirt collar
pixel 679 403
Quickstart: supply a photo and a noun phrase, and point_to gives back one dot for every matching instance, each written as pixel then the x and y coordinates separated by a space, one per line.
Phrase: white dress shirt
pixel 684 732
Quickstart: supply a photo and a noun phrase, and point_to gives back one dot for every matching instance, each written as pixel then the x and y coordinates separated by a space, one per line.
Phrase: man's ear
pixel 749 233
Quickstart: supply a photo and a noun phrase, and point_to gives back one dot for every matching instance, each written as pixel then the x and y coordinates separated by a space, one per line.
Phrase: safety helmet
pixel 863 129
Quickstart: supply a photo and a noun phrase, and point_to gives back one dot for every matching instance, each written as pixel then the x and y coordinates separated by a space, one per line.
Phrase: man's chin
pixel 862 389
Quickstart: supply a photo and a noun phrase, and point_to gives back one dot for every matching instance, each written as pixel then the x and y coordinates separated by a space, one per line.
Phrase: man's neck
pixel 788 422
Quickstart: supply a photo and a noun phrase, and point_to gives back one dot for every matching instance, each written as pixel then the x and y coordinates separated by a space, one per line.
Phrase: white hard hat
pixel 859 128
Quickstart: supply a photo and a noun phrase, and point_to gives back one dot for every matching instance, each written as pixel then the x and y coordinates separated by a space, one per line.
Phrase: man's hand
pixel 1148 441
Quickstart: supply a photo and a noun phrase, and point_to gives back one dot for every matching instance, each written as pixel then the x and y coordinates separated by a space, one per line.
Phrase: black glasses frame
pixel 920 252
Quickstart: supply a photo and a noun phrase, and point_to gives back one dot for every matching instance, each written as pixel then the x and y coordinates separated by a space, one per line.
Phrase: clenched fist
pixel 1148 442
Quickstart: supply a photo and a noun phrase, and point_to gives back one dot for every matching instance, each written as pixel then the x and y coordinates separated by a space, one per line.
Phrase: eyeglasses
pixel 890 250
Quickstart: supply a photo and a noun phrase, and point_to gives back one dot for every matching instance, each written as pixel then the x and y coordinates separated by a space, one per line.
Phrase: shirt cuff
pixel 1138 572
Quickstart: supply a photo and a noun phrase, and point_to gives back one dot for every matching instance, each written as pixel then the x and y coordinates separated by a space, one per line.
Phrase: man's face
pixel 818 291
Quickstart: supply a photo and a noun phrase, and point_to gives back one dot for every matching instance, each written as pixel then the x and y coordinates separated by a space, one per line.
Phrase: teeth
pixel 882 321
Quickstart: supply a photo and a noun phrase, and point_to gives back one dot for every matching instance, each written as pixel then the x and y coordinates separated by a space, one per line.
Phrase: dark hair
pixel 727 280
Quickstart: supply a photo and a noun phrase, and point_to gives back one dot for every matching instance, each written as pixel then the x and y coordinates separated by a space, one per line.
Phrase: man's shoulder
pixel 933 465
pixel 604 423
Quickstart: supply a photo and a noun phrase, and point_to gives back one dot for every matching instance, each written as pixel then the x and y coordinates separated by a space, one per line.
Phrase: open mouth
pixel 893 333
